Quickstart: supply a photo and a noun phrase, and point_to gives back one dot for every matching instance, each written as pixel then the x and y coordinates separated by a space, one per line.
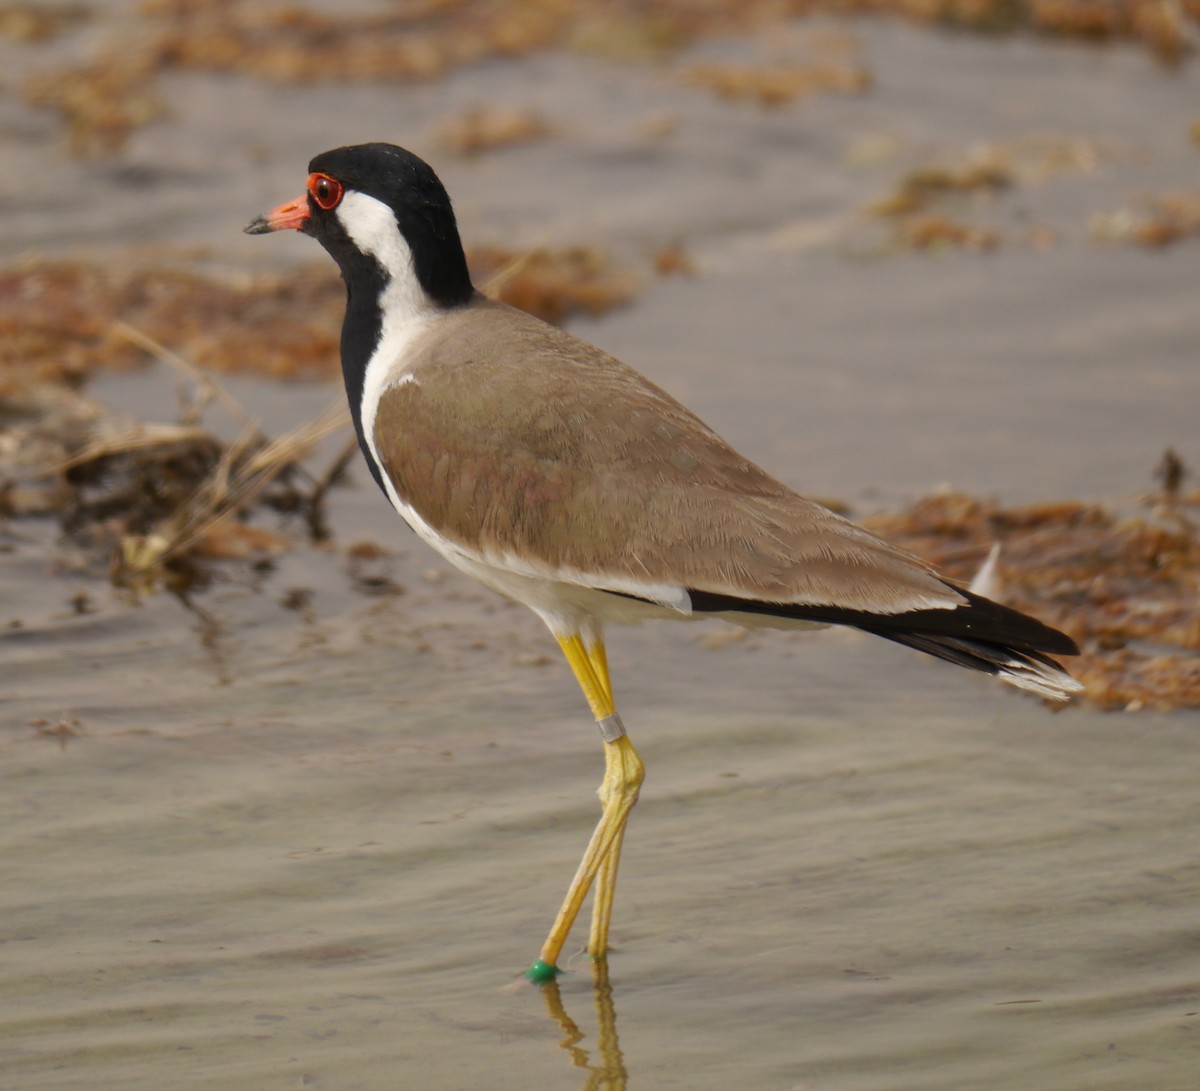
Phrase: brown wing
pixel 517 438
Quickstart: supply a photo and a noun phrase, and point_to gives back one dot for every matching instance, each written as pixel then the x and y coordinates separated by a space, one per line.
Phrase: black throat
pixel 362 327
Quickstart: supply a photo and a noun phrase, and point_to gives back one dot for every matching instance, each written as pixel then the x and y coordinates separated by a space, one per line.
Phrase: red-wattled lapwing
pixel 563 479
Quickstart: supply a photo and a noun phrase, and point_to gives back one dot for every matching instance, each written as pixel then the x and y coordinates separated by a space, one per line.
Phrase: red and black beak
pixel 295 214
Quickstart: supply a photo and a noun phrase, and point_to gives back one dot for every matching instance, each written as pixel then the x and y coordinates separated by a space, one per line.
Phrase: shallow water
pixel 309 840
pixel 849 869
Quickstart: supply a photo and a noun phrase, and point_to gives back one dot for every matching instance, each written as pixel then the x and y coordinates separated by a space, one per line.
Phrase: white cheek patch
pixel 372 227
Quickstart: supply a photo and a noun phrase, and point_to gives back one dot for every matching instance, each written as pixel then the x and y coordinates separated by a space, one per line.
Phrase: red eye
pixel 326 191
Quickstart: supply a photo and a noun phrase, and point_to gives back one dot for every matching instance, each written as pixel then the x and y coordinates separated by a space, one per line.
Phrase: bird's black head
pixel 386 219
pixel 383 215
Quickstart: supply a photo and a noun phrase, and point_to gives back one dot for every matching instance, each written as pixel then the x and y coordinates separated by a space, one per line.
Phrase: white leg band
pixel 611 728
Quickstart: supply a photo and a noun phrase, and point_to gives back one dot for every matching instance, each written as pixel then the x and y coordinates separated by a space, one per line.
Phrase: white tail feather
pixel 1040 678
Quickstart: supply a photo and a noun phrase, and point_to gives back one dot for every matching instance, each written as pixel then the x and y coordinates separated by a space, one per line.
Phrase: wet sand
pixel 308 840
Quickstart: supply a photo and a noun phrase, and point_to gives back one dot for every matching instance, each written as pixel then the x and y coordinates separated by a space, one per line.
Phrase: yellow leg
pixel 590 667
pixel 605 887
pixel 623 775
pixel 598 658
pixel 606 878
pixel 602 899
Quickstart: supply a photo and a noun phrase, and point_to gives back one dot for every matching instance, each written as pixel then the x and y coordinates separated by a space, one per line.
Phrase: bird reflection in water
pixel 604 1064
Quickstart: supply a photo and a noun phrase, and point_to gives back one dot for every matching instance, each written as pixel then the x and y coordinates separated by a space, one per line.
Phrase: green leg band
pixel 541 972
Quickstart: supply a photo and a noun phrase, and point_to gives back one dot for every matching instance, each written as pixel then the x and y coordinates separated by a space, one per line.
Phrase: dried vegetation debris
pixel 936 205
pixel 920 187
pixel 291 42
pixel 1167 28
pixel 673 260
pixel 1125 585
pixel 1159 221
pixel 779 84
pixel 553 283
pixel 915 207
pixel 103 101
pixel 41 422
pixel 40 22
pixel 486 128
pixel 100 103
pixel 151 499
pixel 59 319
pixel 921 232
